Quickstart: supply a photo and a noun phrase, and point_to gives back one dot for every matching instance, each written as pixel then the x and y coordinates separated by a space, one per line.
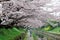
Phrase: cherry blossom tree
pixel 33 13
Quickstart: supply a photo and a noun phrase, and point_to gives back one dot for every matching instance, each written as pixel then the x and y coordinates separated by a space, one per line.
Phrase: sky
pixel 53 7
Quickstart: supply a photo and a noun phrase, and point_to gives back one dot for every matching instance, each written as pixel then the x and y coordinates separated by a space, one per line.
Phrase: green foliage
pixel 55 30
pixel 34 36
pixel 50 25
pixel 11 34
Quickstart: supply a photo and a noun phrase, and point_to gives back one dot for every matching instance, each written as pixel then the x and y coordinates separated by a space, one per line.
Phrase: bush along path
pixel 12 34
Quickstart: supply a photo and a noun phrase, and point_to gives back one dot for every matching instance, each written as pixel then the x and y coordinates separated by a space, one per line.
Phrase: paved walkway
pixel 29 36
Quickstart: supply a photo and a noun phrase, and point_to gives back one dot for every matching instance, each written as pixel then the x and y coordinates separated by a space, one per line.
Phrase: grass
pixel 34 36
pixel 10 34
pixel 25 37
pixel 55 30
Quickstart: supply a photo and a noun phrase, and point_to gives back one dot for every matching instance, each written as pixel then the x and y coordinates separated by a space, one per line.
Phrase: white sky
pixel 51 6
